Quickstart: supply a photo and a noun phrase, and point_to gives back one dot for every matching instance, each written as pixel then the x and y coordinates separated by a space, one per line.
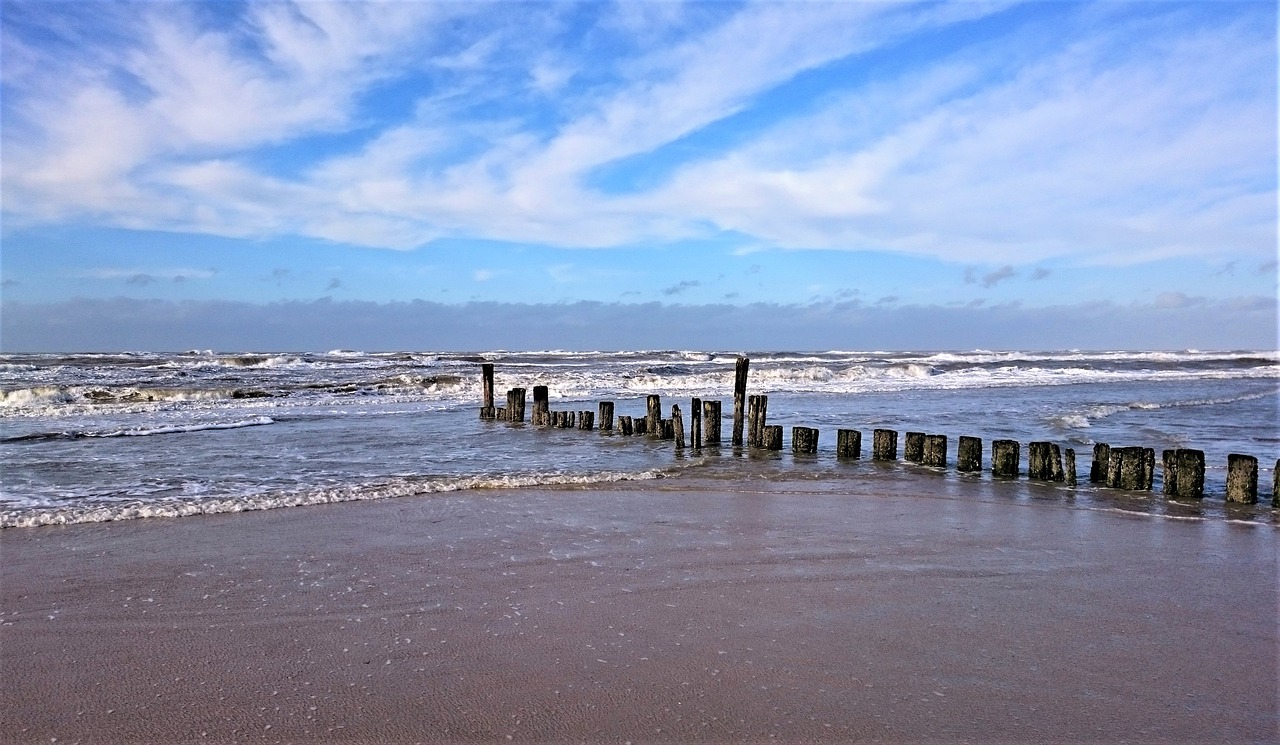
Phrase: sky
pixel 614 175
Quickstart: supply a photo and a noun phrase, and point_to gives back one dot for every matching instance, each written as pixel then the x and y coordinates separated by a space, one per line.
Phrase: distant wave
pixel 143 431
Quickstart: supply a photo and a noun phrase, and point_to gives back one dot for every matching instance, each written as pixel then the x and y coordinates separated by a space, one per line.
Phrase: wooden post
pixel 1005 459
pixel 1242 478
pixel 1130 468
pixel 773 437
pixel 487 410
pixel 913 450
pixel 848 443
pixel 624 425
pixel 935 451
pixel 677 424
pixel 884 444
pixel 804 440
pixel 757 410
pixel 739 398
pixel 1275 485
pixel 695 424
pixel 515 405
pixel 606 416
pixel 1183 473
pixel 541 407
pixel 969 454
pixel 668 429
pixel 500 413
pixel 586 420
pixel 653 420
pixel 1044 462
pixel 1069 464
pixel 1101 459
pixel 711 420
pixel 641 425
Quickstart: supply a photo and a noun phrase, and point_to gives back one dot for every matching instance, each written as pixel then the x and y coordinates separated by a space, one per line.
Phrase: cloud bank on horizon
pixel 879 153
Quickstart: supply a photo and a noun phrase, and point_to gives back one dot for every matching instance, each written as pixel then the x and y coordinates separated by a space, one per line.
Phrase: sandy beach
pixel 657 611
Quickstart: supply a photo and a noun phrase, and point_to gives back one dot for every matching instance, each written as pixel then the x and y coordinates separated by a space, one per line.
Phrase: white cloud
pixel 1134 139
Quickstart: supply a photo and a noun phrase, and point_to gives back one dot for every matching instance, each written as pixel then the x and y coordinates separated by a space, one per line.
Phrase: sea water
pixel 97 437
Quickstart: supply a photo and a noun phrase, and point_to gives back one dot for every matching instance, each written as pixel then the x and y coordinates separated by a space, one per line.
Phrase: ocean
pixel 117 436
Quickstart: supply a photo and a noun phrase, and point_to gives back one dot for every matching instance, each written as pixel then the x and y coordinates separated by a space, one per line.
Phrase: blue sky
pixel 824 160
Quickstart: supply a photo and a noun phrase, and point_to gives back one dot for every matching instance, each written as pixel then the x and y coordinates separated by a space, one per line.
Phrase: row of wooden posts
pixel 1131 468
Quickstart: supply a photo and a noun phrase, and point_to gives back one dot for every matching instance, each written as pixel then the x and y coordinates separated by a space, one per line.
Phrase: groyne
pixel 1131 468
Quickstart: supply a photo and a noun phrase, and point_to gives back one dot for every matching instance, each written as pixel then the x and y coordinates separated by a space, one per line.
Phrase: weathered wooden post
pixel 969 454
pixel 1183 473
pixel 1069 464
pixel 804 440
pixel 1242 478
pixel 711 420
pixel 1101 461
pixel 1275 485
pixel 653 420
pixel 677 424
pixel 668 429
pixel 500 413
pixel 884 444
pixel 695 424
pixel 935 451
pixel 773 437
pixel 606 416
pixel 739 398
pixel 541 407
pixel 487 410
pixel 913 449
pixel 848 443
pixel 586 420
pixel 1044 461
pixel 1006 456
pixel 624 425
pixel 1131 468
pixel 515 405
pixel 757 411
pixel 641 425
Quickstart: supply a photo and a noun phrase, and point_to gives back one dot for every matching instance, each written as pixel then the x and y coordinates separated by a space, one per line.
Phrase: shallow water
pixel 108 437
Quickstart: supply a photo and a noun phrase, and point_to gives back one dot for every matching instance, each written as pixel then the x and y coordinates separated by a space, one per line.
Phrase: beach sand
pixel 655 611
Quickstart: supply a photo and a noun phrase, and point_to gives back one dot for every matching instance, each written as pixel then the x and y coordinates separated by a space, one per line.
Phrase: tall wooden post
pixel 606 416
pixel 935 451
pixel 695 424
pixel 969 454
pixel 1006 456
pixel 541 407
pixel 739 398
pixel 653 420
pixel 677 426
pixel 1069 465
pixel 487 410
pixel 1242 478
pixel 884 444
pixel 848 443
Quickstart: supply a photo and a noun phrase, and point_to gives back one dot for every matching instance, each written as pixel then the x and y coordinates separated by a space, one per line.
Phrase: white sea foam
pixel 136 509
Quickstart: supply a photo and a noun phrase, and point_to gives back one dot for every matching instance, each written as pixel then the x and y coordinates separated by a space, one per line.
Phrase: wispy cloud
pixel 1117 135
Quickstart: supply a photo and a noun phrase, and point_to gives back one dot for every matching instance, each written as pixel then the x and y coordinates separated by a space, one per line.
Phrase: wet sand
pixel 643 612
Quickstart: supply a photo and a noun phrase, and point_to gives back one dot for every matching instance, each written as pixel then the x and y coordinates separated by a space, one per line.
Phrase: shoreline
pixel 643 611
